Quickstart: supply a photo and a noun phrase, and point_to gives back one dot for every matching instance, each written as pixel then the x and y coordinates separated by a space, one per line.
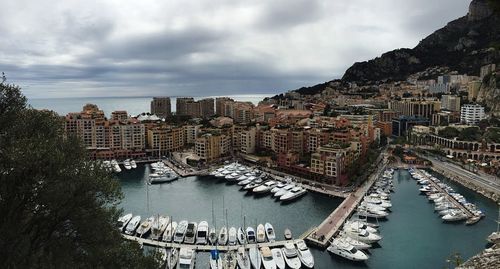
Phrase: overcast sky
pixel 66 48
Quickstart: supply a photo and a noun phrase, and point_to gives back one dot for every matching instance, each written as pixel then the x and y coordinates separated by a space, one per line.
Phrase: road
pixel 486 181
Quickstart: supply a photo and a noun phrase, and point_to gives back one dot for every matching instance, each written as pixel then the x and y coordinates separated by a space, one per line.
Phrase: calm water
pixel 133 105
pixel 413 236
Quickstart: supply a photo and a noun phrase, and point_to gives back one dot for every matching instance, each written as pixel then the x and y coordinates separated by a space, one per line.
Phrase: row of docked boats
pixel 258 182
pixel 358 234
pixel 161 173
pixel 450 205
pixel 161 228
pixel 291 255
pixel 115 167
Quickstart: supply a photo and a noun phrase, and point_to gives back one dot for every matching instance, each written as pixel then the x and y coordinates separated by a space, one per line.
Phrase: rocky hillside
pixel 463 45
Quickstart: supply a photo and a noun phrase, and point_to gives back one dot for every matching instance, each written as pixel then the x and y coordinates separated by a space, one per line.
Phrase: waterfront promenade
pixel 321 235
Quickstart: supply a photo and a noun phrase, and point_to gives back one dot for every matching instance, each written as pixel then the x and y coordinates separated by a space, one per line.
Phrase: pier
pixel 184 173
pixel 448 196
pixel 320 236
pixel 161 244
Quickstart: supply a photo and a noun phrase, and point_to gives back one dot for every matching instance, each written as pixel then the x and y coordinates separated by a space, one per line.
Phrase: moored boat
pixel 123 221
pixel 261 233
pixel 291 257
pixel 271 236
pixel 304 254
pixel 267 258
pixel 132 225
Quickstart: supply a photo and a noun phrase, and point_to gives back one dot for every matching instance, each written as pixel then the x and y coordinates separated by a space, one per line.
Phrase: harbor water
pixel 413 235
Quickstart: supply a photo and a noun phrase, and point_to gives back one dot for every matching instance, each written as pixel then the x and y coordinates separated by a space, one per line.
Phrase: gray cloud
pixel 202 47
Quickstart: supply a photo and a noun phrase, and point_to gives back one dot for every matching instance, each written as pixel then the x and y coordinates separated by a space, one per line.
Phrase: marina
pixel 461 209
pixel 397 248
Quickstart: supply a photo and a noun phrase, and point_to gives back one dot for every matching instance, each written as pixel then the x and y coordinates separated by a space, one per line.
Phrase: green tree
pixel 58 208
pixel 449 132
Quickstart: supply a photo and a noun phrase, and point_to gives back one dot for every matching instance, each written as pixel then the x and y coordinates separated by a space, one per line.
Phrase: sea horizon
pixel 134 105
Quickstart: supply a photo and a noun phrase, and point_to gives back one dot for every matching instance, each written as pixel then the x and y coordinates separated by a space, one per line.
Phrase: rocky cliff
pixel 463 45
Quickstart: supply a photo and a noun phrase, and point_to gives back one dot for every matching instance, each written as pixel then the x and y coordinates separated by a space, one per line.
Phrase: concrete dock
pixel 448 196
pixel 321 235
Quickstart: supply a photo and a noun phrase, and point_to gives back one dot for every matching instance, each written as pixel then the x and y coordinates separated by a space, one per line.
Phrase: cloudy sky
pixel 69 48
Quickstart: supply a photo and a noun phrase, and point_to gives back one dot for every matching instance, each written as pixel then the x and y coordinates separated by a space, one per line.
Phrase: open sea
pixel 133 105
pixel 413 235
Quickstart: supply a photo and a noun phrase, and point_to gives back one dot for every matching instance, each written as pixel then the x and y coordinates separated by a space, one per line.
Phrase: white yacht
pixel 291 257
pixel 278 258
pixel 278 187
pixel 222 240
pixel 126 164
pixel 212 236
pixel 255 258
pixel 358 224
pixel 456 215
pixel 250 235
pixel 362 235
pixel 242 239
pixel 267 258
pixel 169 232
pixel 123 221
pixel 243 259
pixel 159 226
pixel 232 177
pixel 163 175
pixel 180 232
pixel 251 186
pixel 115 166
pixel 191 233
pixel 288 234
pixel 271 236
pixel 355 243
pixel 172 258
pixel 305 255
pixel 132 225
pixel 133 164
pixel 293 194
pixel 264 188
pixel 241 178
pixel 244 182
pixel 186 258
pixel 261 233
pixel 232 237
pixel 202 233
pixel 284 190
pixel 145 226
pixel 347 251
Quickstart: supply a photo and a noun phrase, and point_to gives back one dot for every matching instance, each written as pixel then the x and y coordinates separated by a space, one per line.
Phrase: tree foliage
pixel 449 132
pixel 58 208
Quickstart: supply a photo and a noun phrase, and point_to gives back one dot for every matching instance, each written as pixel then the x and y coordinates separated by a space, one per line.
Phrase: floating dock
pixel 160 244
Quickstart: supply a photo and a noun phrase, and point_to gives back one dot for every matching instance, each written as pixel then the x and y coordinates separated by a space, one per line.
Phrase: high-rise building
pixel 207 107
pixel 331 161
pixel 161 106
pixel 472 114
pixel 450 102
pixel 181 105
pixel 220 106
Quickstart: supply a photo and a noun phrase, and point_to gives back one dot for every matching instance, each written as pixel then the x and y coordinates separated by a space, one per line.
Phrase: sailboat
pixel 254 255
pixel 242 255
pixel 215 259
